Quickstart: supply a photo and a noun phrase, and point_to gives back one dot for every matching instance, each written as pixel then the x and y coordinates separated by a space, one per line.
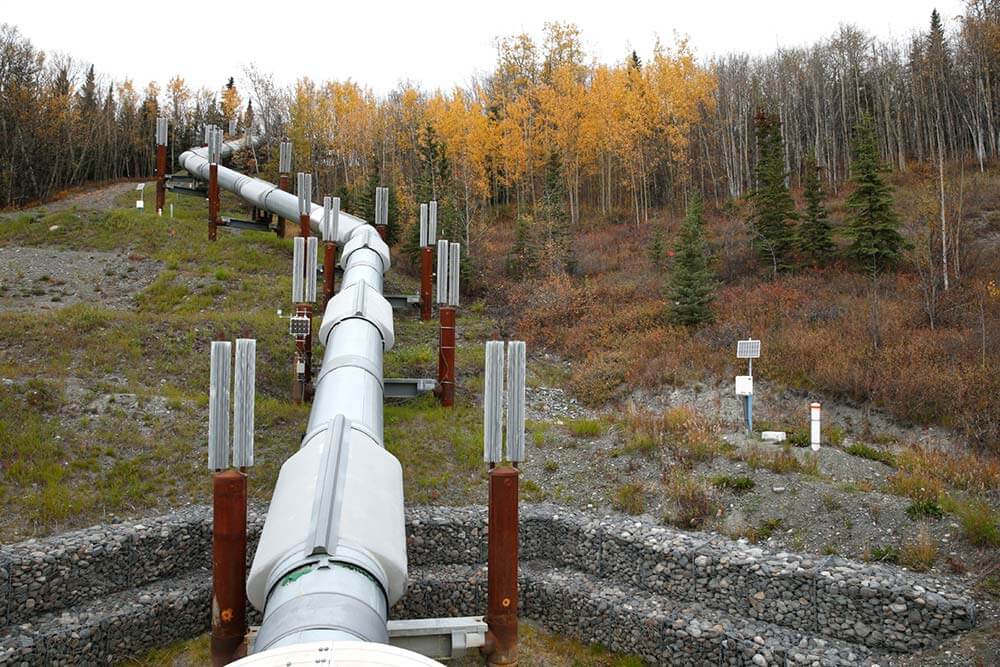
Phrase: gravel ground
pixel 48 278
pixel 85 199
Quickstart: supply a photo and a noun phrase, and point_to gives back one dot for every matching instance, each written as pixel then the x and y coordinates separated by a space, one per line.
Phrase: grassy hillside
pixel 103 403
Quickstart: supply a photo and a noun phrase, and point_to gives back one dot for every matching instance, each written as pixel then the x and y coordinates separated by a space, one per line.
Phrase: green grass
pixel 630 498
pixel 782 462
pixel 925 509
pixel 736 484
pixel 761 532
pixel 980 522
pixel 872 454
pixel 883 554
pixel 440 449
pixel 61 468
pixel 586 428
pixel 59 472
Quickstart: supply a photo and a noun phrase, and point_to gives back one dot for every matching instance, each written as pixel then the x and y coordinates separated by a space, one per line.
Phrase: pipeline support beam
pixel 229 570
pixel 502 558
pixel 426 274
pixel 446 355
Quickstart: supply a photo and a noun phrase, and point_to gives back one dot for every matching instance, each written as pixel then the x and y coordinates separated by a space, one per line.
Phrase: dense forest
pixel 625 137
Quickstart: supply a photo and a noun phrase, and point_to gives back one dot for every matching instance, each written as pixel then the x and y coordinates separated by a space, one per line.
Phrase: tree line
pixel 62 124
pixel 624 138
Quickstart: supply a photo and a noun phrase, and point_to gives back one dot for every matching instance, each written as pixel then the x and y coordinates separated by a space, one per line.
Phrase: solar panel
pixel 747 349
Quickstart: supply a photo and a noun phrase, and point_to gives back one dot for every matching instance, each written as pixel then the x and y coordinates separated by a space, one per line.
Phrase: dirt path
pixel 91 199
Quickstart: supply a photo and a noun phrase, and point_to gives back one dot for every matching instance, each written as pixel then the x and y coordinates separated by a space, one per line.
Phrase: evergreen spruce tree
pixel 522 260
pixel 364 202
pixel 553 212
pixel 773 207
pixel 814 233
pixel 692 281
pixel 656 251
pixel 88 93
pixel 873 223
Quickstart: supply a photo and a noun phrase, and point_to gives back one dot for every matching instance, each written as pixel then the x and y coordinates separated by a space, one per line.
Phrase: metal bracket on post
pixel 284 169
pixel 382 212
pixel 432 222
pixel 218 405
pixel 305 202
pixel 244 394
pixel 426 264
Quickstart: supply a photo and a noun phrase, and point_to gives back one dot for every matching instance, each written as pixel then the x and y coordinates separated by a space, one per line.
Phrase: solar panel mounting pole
pixel 748 349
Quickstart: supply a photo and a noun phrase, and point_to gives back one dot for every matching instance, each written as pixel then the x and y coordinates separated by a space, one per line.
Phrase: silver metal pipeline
pixel 332 555
pixel 260 193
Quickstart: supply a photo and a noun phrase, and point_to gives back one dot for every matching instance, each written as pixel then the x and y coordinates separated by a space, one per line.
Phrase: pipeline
pixel 332 555
pixel 264 195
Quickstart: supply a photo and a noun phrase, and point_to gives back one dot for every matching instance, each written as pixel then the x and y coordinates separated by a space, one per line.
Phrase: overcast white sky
pixel 435 44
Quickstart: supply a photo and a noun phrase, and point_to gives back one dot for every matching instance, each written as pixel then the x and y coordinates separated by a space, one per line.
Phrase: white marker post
pixel 814 425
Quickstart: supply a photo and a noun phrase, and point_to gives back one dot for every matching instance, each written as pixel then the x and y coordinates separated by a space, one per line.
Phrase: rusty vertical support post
pixel 329 271
pixel 229 569
pixel 502 550
pixel 426 271
pixel 161 178
pixel 213 200
pixel 161 164
pixel 446 355
pixel 304 230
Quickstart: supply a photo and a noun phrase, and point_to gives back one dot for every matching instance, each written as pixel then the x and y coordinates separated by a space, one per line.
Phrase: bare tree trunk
pixel 944 226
